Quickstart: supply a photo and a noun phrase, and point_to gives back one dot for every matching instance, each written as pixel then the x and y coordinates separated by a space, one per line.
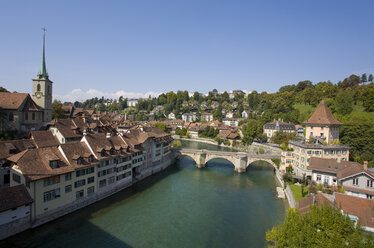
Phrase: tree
pixel 57 111
pixel 320 227
pixel 282 137
pixel 370 79
pixel 363 78
pixel 368 101
pixel 250 131
pixel 2 89
pixel 344 102
pixel 160 126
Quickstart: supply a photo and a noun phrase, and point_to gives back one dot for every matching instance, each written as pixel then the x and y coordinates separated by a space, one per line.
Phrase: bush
pixel 276 161
pixel 320 187
pixel 261 150
pixel 219 140
pixel 176 144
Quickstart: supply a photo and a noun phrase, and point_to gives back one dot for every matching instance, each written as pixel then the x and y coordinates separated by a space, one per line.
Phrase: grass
pixel 296 191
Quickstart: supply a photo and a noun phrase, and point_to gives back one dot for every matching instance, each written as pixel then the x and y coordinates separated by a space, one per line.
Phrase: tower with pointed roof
pixel 42 88
pixel 322 125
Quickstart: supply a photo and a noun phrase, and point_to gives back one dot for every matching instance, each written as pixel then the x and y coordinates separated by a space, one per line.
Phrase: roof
pixel 34 163
pixel 279 125
pixel 353 170
pixel 13 197
pixel 322 116
pixel 10 147
pixel 330 165
pixel 43 138
pixel 73 151
pixel 12 100
pixel 360 207
pixel 319 199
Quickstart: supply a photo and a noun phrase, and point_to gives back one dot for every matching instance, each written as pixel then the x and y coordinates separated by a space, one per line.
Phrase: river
pixel 180 207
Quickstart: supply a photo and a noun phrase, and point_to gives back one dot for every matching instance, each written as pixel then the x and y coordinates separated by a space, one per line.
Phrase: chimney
pixel 365 165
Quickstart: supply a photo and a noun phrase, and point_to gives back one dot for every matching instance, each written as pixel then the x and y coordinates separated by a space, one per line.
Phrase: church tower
pixel 42 88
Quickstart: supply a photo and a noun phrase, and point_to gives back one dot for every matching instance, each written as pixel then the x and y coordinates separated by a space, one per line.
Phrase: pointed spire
pixel 43 69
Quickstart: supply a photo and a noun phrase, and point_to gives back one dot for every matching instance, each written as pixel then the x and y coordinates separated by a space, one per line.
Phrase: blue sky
pixel 133 48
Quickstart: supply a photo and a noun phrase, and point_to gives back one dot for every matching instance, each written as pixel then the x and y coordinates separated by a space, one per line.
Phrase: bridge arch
pixel 232 164
pixel 269 161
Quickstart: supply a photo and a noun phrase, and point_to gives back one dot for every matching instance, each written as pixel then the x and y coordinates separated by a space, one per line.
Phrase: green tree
pixel 250 131
pixel 364 78
pixel 344 103
pixel 368 101
pixel 371 78
pixel 320 227
pixel 160 126
pixel 57 111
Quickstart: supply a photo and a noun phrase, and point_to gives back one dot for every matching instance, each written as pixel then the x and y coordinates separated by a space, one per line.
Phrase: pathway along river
pixel 179 207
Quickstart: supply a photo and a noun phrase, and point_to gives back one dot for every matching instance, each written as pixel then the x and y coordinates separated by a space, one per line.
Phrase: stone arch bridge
pixel 241 160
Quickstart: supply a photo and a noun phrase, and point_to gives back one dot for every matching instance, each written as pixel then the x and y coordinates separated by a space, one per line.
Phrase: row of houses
pixel 55 178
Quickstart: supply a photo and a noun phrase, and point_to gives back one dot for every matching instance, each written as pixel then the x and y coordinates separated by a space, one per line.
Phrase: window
pixel 369 183
pixel 11 116
pixel 38 87
pixel 26 116
pixel 102 183
pixel 17 178
pixel 68 188
pixel 111 180
pixel 318 178
pixel 90 190
pixel 90 180
pixel 53 164
pixel 33 116
pixel 52 194
pixel 90 158
pixel 355 181
pixel 51 180
pixel 79 161
pixel 79 194
pixel 68 177
pixel 80 183
pixel 327 179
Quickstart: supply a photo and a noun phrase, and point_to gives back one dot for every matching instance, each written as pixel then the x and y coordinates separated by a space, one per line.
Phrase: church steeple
pixel 43 69
pixel 42 88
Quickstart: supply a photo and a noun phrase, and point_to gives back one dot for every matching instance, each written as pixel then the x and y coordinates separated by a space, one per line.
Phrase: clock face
pixel 38 94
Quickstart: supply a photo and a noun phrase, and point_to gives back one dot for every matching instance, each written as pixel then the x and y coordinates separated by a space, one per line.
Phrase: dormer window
pixel 79 161
pixel 90 158
pixel 102 153
pixel 111 151
pixel 53 164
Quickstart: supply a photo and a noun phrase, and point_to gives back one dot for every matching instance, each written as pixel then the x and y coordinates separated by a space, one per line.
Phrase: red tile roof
pixel 323 116
pixel 14 197
pixel 360 207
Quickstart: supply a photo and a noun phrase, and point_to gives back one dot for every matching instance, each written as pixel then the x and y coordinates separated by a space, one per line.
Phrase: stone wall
pixel 268 148
pixel 14 227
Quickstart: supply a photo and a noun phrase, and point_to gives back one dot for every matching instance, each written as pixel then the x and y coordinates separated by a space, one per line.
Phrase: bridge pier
pixel 241 162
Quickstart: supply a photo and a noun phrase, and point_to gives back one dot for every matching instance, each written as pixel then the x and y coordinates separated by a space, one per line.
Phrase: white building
pixel 189 117
pixel 171 116
pixel 207 117
pixel 271 128
pixel 132 102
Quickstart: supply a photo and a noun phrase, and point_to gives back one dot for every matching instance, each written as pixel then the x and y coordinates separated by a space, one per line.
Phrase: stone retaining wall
pixel 14 227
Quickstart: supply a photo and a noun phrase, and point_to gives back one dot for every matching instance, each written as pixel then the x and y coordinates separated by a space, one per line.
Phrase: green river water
pixel 180 207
